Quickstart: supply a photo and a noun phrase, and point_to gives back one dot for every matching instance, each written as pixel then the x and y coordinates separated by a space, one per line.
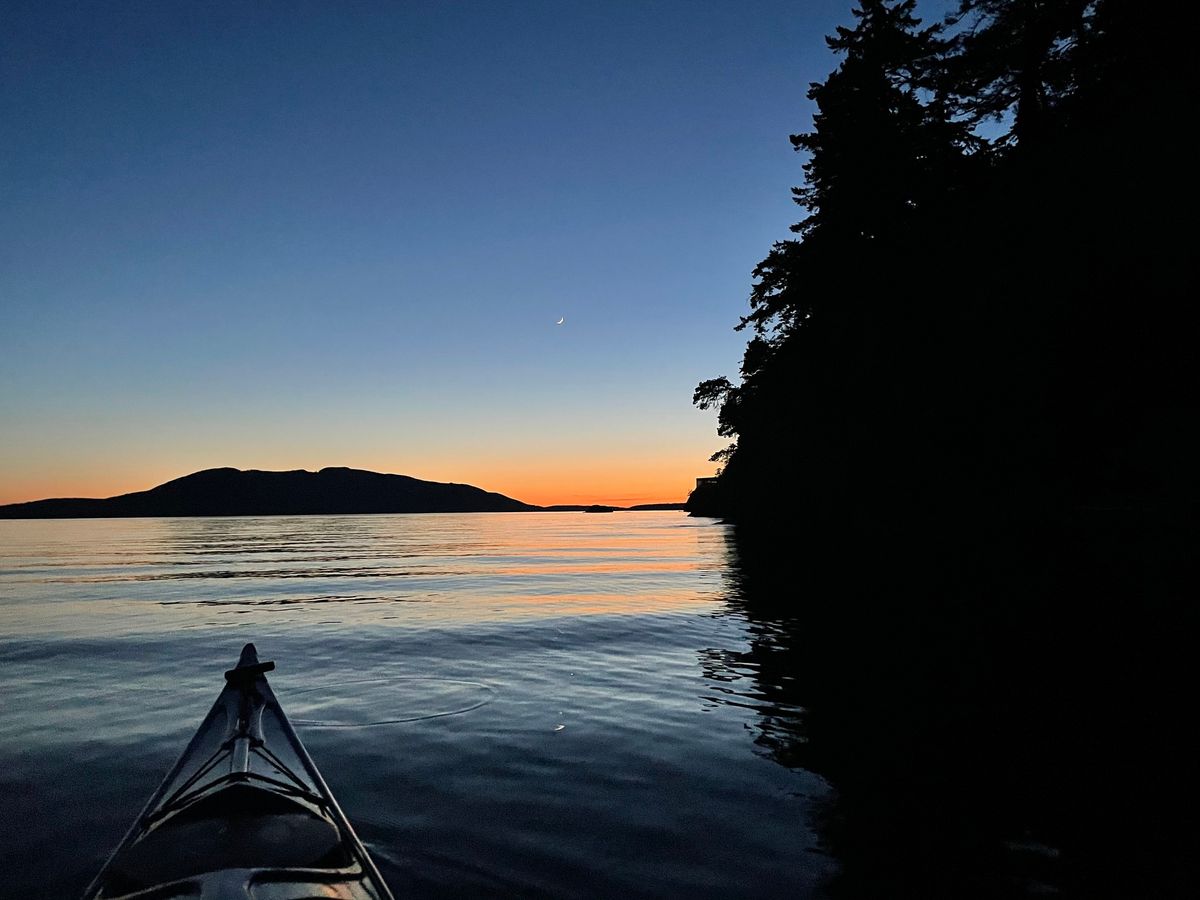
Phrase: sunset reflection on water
pixel 112 575
pixel 504 704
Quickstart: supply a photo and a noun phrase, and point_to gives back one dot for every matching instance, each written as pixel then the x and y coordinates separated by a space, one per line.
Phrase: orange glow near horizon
pixel 624 482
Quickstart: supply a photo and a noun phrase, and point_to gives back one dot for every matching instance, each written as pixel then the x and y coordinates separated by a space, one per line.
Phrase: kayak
pixel 243 814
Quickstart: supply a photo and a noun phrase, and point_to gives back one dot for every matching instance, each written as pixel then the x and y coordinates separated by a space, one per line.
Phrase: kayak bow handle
pixel 243 674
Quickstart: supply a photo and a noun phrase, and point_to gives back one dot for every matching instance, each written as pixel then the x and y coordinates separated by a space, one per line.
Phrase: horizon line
pixel 633 501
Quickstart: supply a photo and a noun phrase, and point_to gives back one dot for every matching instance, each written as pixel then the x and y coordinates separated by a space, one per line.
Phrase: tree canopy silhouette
pixel 964 442
pixel 982 310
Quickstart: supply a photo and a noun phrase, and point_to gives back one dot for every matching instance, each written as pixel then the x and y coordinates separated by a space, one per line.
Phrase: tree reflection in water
pixel 989 730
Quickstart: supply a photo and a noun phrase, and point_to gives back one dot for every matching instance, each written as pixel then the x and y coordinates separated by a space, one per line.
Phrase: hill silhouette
pixel 233 492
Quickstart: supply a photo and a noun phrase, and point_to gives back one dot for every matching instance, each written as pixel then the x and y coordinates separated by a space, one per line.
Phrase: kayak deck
pixel 244 813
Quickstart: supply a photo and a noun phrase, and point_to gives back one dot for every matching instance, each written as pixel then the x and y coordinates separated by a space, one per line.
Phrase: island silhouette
pixel 331 491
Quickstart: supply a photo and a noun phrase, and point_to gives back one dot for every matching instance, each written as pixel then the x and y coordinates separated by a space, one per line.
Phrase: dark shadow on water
pixel 999 716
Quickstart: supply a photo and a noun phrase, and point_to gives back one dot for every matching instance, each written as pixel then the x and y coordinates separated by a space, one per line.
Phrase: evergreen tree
pixel 958 322
pixel 1013 60
pixel 877 155
pixel 883 156
pixel 972 388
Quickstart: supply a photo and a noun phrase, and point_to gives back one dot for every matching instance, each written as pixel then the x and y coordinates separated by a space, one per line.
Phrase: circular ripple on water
pixel 384 701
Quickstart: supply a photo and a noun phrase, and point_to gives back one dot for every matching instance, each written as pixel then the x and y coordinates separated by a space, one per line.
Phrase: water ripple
pixel 373 702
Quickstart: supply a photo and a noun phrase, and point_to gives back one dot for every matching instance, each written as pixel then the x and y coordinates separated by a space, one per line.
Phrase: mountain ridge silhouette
pixel 235 492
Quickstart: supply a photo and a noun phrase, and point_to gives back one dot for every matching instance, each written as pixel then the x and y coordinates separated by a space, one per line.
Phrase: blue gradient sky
pixel 307 234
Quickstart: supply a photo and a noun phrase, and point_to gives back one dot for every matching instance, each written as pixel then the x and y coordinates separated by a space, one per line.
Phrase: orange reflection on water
pixel 88 577
pixel 599 568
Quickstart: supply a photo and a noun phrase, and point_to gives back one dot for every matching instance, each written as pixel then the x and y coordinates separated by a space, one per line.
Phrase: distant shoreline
pixel 8 517
pixel 331 491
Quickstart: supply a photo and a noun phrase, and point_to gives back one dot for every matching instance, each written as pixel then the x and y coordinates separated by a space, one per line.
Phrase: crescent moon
pixel 560 321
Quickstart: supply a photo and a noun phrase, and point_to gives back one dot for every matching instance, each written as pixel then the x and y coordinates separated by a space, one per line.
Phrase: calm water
pixel 558 705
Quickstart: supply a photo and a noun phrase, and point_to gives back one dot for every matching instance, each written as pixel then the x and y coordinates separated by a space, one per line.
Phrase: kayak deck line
pixel 243 814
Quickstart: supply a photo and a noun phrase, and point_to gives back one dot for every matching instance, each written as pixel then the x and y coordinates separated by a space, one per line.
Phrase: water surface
pixel 512 704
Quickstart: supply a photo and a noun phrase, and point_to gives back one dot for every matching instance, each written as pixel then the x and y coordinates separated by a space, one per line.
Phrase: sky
pixel 297 235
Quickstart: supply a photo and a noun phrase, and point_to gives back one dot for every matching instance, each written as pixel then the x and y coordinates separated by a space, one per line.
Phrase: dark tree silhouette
pixel 951 327
pixel 1014 58
pixel 966 431
pixel 884 157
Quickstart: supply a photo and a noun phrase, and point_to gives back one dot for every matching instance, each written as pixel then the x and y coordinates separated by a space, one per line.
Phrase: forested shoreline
pixel 968 323
pixel 962 458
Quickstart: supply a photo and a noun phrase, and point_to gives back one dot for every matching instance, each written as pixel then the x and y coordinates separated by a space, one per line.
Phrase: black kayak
pixel 243 814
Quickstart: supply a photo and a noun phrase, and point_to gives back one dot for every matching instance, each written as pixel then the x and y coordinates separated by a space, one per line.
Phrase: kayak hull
pixel 243 814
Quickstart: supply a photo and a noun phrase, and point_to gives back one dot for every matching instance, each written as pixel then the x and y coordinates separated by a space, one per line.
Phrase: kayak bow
pixel 243 814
